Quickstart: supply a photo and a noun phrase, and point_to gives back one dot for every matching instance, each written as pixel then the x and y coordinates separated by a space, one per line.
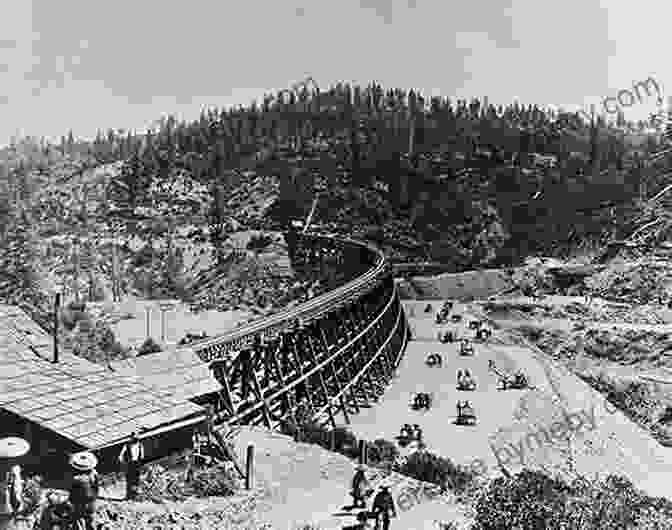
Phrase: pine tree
pixel 217 220
pixel 18 256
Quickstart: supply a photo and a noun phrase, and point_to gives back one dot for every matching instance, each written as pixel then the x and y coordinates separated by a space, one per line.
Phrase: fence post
pixel 332 440
pixel 249 468
pixel 362 452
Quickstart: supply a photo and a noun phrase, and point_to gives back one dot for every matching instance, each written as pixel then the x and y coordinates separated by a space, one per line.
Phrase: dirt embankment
pixel 612 347
pixel 608 324
pixel 463 286
pixel 294 483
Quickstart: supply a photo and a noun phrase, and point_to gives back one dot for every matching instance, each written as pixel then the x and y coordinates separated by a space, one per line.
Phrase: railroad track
pixel 308 310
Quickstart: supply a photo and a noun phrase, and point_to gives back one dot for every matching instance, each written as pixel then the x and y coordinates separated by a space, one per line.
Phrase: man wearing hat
pixel 360 488
pixel 84 488
pixel 383 507
pixel 15 485
pixel 132 455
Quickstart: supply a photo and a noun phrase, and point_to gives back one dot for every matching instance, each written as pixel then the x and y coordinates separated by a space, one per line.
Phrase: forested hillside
pixel 425 178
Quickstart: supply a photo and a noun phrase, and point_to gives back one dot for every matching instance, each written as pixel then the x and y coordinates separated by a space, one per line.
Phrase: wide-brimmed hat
pixel 13 447
pixel 84 461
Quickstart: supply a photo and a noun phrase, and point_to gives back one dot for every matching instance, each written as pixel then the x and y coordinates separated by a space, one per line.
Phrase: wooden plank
pixel 327 398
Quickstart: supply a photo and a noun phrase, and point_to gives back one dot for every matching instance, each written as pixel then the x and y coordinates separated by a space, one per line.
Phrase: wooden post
pixel 249 468
pixel 57 303
pixel 148 309
pixel 336 379
pixel 266 409
pixel 116 291
pixel 281 375
pixel 353 396
pixel 362 452
pixel 375 388
pixel 298 363
pixel 389 370
pixel 332 440
pixel 219 368
pixel 313 358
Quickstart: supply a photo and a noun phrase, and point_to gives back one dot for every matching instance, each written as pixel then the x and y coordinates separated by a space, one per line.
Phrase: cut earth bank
pixel 561 426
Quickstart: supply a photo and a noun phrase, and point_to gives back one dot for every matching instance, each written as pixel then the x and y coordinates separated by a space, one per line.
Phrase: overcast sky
pixel 84 65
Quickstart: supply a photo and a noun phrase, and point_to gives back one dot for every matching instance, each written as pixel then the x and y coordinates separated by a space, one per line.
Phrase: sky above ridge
pixel 85 65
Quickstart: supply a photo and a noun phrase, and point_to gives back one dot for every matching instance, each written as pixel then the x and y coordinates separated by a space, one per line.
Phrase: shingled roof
pixel 82 401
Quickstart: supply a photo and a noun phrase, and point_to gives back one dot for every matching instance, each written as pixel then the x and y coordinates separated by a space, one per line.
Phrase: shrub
pixel 382 451
pixel 313 432
pixel 72 314
pixel 214 482
pixel 149 347
pixel 289 428
pixel 259 242
pixel 116 350
pixel 343 439
pixel 429 467
pixel 95 341
pixel 153 483
pixel 529 500
pixel 143 258
pixel 76 306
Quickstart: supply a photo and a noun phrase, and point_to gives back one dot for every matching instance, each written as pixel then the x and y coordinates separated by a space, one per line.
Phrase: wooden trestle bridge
pixel 336 352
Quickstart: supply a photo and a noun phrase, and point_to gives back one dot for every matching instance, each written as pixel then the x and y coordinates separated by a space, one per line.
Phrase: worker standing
pixel 84 488
pixel 132 455
pixel 15 489
pixel 383 508
pixel 360 486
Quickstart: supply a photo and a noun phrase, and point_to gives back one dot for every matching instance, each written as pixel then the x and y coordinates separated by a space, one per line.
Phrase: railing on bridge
pixel 330 354
pixel 234 341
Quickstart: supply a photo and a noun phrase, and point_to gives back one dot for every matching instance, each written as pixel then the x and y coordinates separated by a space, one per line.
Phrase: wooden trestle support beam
pixel 339 363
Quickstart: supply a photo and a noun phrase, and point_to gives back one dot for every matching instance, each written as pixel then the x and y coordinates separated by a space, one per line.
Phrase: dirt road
pixel 493 408
pixel 603 441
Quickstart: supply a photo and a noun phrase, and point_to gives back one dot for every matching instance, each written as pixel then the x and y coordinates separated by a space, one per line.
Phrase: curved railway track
pixel 306 311
pixel 349 344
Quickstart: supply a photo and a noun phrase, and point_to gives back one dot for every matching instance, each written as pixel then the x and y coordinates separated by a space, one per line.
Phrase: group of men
pixel 443 313
pixel 383 508
pixel 422 400
pixel 465 379
pixel 78 509
pixel 411 432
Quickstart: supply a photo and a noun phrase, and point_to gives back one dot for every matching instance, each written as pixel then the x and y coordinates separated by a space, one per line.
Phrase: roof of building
pixel 80 400
pixel 179 372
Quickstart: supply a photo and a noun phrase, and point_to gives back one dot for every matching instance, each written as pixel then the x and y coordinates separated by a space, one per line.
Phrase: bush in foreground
pixel 148 347
pixel 158 484
pixel 213 481
pixel 429 467
pixel 420 465
pixel 531 500
pixel 382 452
